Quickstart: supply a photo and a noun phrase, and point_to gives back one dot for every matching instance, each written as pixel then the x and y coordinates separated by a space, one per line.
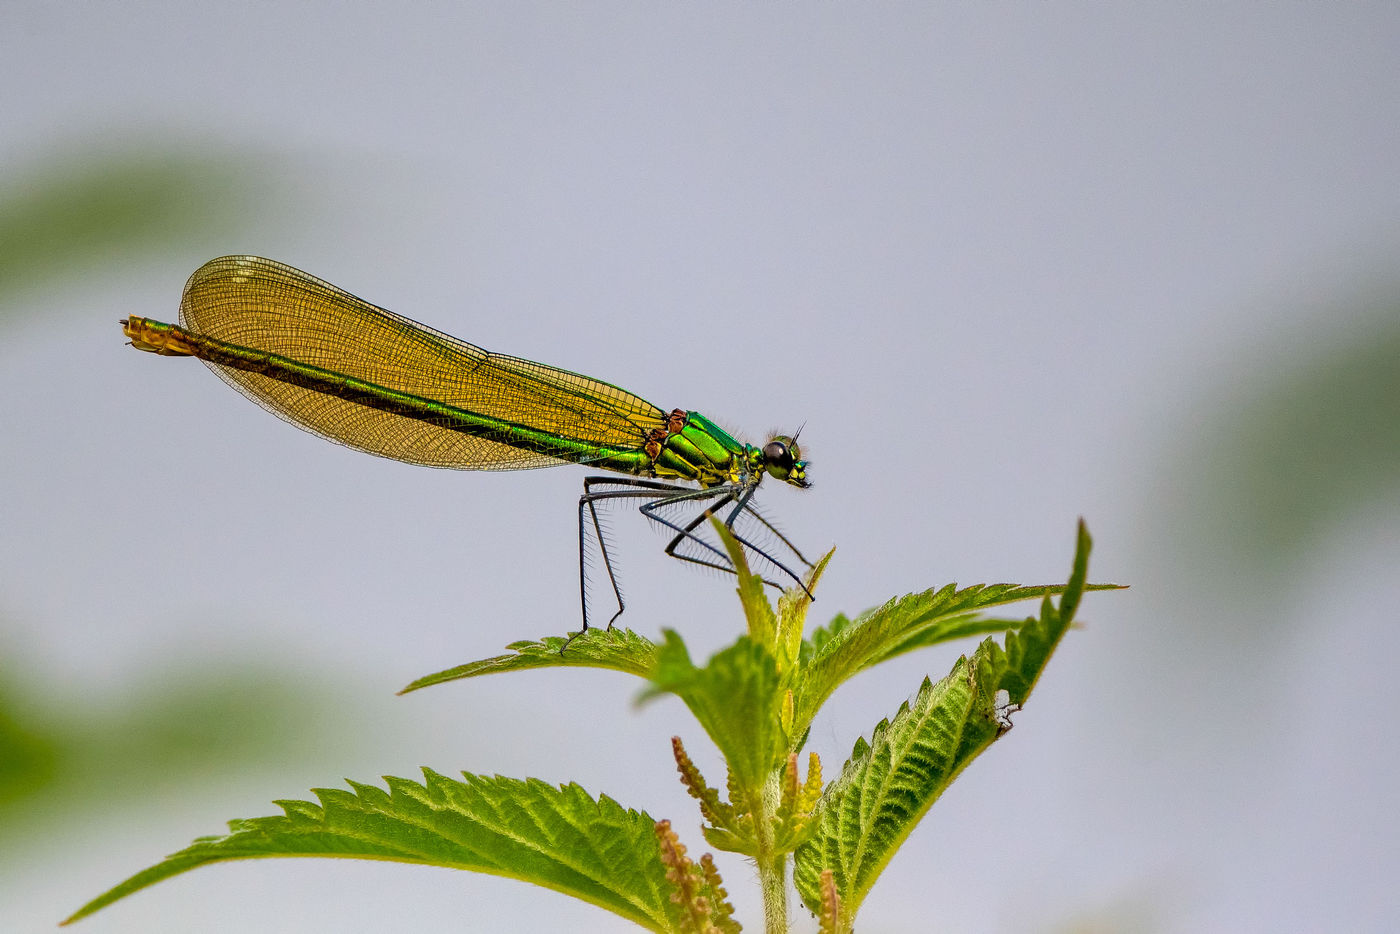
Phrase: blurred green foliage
pixel 27 755
pixel 68 215
pixel 1314 440
pixel 70 751
pixel 99 202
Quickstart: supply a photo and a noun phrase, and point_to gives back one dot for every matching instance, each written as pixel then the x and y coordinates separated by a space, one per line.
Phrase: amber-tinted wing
pixel 269 306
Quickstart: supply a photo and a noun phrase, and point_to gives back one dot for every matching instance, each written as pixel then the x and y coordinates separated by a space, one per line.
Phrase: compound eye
pixel 776 454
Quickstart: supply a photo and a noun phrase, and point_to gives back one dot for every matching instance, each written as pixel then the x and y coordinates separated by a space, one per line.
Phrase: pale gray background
pixel 1010 263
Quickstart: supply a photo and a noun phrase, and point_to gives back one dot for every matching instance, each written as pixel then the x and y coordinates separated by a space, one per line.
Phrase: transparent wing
pixel 269 306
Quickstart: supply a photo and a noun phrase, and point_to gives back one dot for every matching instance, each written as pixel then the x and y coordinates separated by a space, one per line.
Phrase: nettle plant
pixel 756 701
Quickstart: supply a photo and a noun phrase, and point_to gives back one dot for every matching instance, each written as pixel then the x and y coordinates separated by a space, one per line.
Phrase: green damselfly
pixel 362 376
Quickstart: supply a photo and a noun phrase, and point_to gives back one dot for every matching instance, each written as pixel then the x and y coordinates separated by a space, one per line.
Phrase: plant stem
pixel 772 880
pixel 772 867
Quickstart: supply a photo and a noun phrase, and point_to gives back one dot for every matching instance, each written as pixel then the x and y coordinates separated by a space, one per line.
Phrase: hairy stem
pixel 772 867
pixel 772 880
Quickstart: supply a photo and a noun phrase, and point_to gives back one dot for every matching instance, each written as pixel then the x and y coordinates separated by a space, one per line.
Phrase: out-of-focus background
pixel 1010 264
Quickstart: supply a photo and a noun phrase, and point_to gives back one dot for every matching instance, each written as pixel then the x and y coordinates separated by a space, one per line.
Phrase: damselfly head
pixel 782 458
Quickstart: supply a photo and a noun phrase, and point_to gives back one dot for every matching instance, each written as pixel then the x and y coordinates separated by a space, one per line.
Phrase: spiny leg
pixel 686 533
pixel 589 500
pixel 774 531
pixel 742 505
pixel 647 489
pixel 632 489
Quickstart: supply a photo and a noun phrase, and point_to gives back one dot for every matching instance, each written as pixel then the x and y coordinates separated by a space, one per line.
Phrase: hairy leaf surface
pixel 736 699
pixel 617 649
pixel 890 782
pixel 559 837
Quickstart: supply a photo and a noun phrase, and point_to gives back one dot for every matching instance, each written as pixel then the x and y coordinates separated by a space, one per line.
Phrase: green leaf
pixel 1028 650
pixel 735 697
pixel 888 784
pixel 617 649
pixel 792 615
pixel 886 787
pixel 957 627
pixel 558 837
pixel 847 647
pixel 758 611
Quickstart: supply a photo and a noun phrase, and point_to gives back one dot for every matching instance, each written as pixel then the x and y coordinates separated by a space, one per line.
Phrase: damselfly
pixel 372 380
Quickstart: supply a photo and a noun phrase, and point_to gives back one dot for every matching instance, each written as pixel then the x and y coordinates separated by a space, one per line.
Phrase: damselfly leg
pixel 730 502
